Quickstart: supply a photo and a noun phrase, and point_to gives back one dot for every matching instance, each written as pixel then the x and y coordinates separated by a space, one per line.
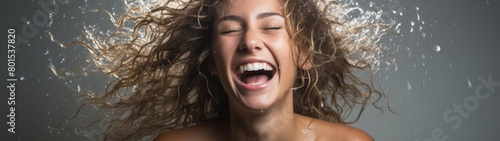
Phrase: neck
pixel 266 125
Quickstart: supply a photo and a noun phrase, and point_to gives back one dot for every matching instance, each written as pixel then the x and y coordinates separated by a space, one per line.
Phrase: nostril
pixel 249 48
pixel 242 47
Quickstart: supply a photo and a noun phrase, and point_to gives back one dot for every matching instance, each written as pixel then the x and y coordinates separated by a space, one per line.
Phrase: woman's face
pixel 253 52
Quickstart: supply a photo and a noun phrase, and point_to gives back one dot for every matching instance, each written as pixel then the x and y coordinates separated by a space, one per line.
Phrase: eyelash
pixel 267 28
pixel 273 28
pixel 228 31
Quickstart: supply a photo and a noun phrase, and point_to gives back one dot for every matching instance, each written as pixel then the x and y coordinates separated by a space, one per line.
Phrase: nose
pixel 251 42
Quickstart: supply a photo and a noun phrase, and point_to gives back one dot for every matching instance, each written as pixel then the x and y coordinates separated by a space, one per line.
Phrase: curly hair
pixel 163 81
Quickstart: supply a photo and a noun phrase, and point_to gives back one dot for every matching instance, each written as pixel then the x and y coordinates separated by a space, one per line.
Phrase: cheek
pixel 223 52
pixel 282 48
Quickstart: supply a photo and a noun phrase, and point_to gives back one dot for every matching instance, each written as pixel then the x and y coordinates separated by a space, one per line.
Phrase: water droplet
pixel 408 85
pixel 51 19
pixel 437 48
pixel 261 110
pixel 47 95
pixel 469 84
pixel 79 89
pixel 398 25
pixel 22 78
pixel 304 130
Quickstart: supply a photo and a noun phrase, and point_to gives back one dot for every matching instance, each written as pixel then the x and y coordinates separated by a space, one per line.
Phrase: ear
pixel 304 61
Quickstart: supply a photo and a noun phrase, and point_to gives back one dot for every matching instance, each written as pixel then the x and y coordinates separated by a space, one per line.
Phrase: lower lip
pixel 251 87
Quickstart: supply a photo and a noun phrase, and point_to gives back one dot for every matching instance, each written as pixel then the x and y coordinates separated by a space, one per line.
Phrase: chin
pixel 257 103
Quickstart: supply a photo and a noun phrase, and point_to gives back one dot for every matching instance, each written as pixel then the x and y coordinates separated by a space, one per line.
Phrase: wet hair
pixel 163 81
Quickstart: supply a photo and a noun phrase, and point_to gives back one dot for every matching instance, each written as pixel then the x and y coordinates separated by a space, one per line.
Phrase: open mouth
pixel 255 73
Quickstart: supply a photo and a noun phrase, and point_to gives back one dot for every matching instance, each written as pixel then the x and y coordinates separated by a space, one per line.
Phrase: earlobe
pixel 304 61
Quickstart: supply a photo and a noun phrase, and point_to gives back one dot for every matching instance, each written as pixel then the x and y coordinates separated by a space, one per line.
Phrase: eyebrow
pixel 239 19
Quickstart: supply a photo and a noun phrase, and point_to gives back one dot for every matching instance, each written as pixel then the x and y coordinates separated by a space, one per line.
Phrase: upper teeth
pixel 254 67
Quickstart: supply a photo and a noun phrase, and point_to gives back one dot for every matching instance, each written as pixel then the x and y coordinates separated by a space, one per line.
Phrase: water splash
pixel 145 5
pixel 437 48
pixel 51 19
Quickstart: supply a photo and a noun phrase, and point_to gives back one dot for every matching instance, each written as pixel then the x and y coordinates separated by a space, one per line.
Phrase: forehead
pixel 247 7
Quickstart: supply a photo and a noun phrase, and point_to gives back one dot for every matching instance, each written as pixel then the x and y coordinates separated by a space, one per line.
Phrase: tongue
pixel 256 79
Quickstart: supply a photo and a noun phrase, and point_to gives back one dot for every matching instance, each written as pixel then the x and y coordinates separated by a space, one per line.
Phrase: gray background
pixel 425 85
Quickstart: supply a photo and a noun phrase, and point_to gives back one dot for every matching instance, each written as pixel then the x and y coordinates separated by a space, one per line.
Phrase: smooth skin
pixel 249 31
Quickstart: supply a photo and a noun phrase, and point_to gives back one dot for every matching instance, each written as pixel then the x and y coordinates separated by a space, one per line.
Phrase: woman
pixel 236 70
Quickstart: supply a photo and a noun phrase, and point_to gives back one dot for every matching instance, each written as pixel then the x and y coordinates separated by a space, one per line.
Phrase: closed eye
pixel 230 31
pixel 273 28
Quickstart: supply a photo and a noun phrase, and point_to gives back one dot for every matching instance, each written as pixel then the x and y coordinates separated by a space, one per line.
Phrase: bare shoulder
pixel 334 131
pixel 195 133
